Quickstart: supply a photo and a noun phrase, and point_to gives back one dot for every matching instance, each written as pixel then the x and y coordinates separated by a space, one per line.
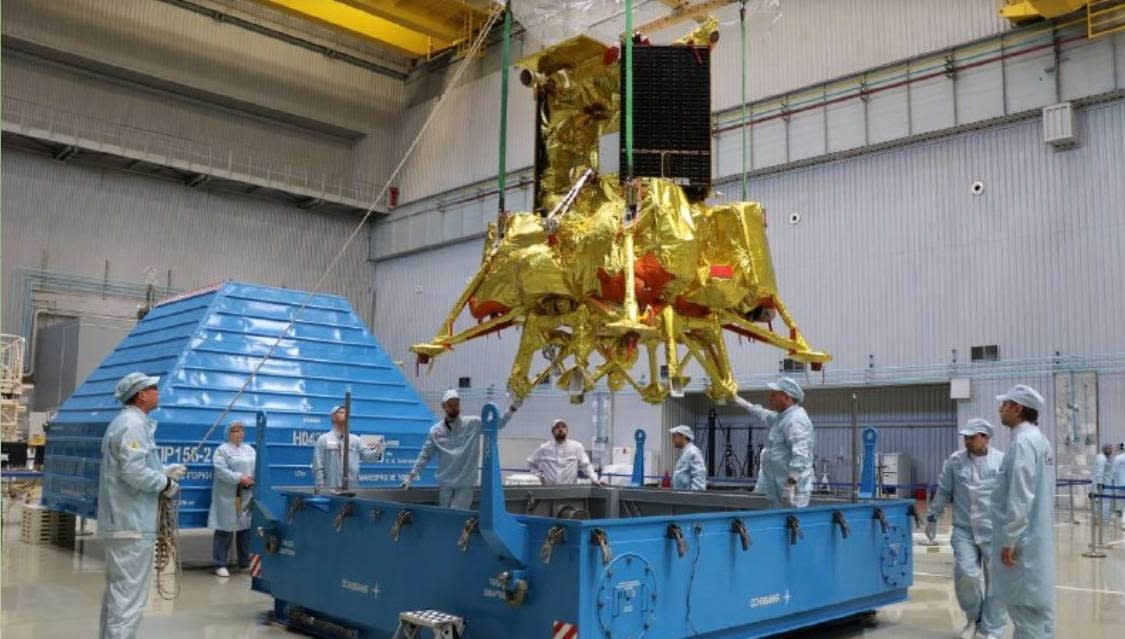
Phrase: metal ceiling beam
pixel 682 11
pixel 256 18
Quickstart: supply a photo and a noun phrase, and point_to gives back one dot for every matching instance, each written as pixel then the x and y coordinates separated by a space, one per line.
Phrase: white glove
pixel 379 447
pixel 931 527
pixel 406 482
pixel 175 472
pixel 516 404
pixel 171 489
pixel 746 405
pixel 789 496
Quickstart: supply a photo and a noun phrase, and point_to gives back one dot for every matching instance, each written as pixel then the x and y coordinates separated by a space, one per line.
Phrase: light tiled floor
pixel 49 592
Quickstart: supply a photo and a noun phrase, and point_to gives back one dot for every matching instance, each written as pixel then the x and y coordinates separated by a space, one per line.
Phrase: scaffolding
pixel 12 388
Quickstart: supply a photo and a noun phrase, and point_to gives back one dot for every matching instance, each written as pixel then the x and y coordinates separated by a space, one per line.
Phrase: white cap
pixel 683 430
pixel 131 384
pixel 557 422
pixel 450 394
pixel 1023 395
pixel 976 425
pixel 789 386
pixel 335 409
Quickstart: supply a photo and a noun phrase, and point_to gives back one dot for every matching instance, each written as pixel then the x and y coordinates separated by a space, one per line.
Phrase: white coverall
pixel 1103 474
pixel 328 459
pixel 229 516
pixel 789 453
pixel 1023 518
pixel 557 464
pixel 129 487
pixel 967 482
pixel 458 446
pixel 690 472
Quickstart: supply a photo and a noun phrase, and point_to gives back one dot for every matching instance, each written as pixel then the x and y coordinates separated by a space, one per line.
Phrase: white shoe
pixel 223 572
pixel 981 635
pixel 969 630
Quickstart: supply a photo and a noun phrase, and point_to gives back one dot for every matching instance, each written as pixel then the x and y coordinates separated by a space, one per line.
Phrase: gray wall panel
pixel 816 40
pixel 461 146
pixel 161 40
pixel 1111 405
pixel 1119 60
pixel 1029 81
pixel 72 219
pixel 227 71
pixel 95 104
pixel 768 144
pixel 1087 68
pixel 888 116
pixel 847 126
pixel 978 91
pixel 899 257
pixel 1006 76
pixel 806 136
pixel 930 102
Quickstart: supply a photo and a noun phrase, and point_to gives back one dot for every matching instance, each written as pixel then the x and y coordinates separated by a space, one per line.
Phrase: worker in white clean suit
pixel 967 480
pixel 456 440
pixel 1023 518
pixel 1118 475
pixel 690 472
pixel 1103 475
pixel 786 472
pixel 231 494
pixel 557 461
pixel 328 455
pixel 130 483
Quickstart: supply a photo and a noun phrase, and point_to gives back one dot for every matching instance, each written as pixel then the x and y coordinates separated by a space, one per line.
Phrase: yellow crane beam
pixel 446 26
pixel 349 18
pixel 1023 10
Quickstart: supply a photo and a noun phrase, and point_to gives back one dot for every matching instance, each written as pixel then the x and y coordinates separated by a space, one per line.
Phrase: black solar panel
pixel 671 114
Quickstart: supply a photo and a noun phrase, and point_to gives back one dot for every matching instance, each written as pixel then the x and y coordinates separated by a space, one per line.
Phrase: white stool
pixel 443 625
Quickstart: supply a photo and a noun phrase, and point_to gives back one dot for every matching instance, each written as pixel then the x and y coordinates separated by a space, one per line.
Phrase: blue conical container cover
pixel 203 346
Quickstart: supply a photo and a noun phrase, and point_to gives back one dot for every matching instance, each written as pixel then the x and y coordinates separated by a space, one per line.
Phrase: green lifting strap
pixel 629 90
pixel 745 121
pixel 505 62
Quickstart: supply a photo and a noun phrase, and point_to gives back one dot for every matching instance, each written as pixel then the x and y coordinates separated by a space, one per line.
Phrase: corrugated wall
pixel 817 40
pixel 1006 76
pixel 209 58
pixel 77 220
pixel 895 257
pixel 161 40
pixel 72 95
pixel 462 144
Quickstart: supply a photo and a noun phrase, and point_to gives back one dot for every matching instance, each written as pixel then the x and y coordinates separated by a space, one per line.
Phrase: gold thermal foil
pixel 702 34
pixel 559 273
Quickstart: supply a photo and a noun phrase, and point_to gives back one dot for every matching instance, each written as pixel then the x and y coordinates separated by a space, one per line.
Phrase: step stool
pixel 443 624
